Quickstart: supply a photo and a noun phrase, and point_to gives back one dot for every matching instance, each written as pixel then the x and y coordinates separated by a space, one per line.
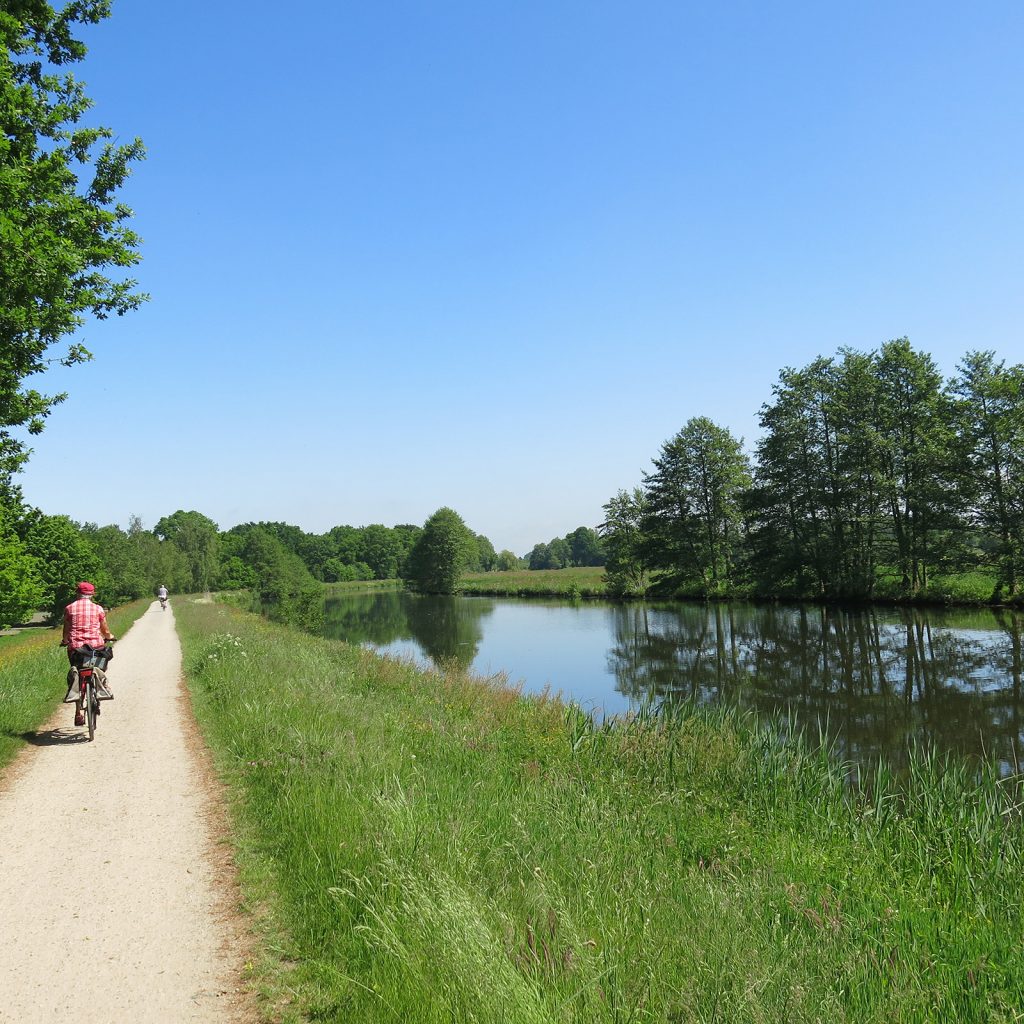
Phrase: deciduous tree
pixel 626 568
pixel 441 554
pixel 991 420
pixel 63 233
pixel 693 521
pixel 197 537
pixel 64 557
pixel 21 587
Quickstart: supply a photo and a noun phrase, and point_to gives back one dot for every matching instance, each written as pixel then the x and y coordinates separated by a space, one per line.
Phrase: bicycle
pixel 87 681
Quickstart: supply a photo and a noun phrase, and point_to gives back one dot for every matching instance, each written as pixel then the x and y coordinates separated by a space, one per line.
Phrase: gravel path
pixel 114 895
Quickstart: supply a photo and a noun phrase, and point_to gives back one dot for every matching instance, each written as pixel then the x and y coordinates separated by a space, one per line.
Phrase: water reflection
pixel 445 629
pixel 879 679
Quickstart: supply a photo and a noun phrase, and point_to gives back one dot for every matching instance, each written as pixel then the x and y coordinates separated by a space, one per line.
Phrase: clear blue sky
pixel 492 255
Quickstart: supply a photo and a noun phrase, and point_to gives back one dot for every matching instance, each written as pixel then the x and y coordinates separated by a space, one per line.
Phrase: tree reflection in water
pixel 446 629
pixel 878 681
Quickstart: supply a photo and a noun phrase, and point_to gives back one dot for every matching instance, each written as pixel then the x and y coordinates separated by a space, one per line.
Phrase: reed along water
pixel 875 681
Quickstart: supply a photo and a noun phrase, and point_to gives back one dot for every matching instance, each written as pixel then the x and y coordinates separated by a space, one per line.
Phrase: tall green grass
pixel 587 581
pixel 33 668
pixel 432 849
pixel 360 587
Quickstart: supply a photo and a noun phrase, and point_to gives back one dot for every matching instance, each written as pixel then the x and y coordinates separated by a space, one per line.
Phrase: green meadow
pixel 585 581
pixel 424 847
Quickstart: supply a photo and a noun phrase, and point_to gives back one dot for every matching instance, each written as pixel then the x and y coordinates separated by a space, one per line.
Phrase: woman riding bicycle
pixel 85 622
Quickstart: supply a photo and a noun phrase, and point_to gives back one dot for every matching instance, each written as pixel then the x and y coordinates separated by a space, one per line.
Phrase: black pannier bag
pixel 93 657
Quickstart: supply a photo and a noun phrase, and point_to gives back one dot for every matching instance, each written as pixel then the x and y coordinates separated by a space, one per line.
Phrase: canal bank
pixel 423 846
pixel 873 680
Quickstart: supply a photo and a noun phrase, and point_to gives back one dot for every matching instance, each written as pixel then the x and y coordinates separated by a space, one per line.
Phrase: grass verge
pixel 571 583
pixel 429 848
pixel 360 587
pixel 32 672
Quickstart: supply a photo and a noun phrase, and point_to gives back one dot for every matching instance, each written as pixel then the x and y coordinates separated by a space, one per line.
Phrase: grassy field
pixel 360 587
pixel 571 583
pixel 423 848
pixel 32 672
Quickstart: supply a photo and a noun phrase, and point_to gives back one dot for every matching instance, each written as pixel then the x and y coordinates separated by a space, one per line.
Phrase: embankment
pixel 429 848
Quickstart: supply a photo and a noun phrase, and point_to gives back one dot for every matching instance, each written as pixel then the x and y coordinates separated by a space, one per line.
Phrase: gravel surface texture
pixel 116 889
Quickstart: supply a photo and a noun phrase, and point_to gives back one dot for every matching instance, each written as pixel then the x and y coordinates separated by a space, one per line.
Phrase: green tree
pixel 585 546
pixel 559 554
pixel 914 422
pixel 285 586
pixel 161 561
pixel 21 587
pixel 441 554
pixel 120 560
pixel 693 522
pixel 788 529
pixel 816 504
pixel 539 557
pixel 62 229
pixel 315 550
pixel 508 561
pixel 197 538
pixel 64 557
pixel 486 557
pixel 345 541
pixel 991 421
pixel 626 568
pixel 382 550
pixel 408 534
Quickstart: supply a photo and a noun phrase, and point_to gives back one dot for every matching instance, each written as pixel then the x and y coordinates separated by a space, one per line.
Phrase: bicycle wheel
pixel 91 704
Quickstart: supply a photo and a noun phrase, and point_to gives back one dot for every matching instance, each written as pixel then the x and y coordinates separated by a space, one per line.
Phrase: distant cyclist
pixel 85 622
pixel 161 592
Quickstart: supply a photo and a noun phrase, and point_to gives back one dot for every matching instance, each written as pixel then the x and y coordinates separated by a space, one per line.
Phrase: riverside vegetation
pixel 584 581
pixel 420 846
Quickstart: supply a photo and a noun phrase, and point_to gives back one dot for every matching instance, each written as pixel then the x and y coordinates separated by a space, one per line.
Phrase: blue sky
pixel 492 256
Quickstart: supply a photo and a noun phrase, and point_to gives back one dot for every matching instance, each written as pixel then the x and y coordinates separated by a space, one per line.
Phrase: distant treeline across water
pixel 874 478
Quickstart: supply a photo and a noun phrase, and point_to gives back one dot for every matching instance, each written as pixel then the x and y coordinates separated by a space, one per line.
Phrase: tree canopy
pixel 63 233
pixel 441 553
pixel 872 477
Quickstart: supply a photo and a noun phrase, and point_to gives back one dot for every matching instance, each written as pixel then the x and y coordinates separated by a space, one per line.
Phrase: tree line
pixel 583 546
pixel 874 478
pixel 43 556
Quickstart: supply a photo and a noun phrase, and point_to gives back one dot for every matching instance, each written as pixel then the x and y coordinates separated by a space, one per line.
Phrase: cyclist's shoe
pixel 79 718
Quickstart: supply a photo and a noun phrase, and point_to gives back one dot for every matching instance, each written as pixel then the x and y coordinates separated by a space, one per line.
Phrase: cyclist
pixel 161 592
pixel 85 622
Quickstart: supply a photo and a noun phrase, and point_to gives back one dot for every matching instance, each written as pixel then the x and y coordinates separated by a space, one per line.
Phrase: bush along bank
pixel 430 848
pixel 33 670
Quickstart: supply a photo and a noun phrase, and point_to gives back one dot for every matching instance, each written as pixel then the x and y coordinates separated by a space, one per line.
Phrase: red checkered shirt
pixel 84 617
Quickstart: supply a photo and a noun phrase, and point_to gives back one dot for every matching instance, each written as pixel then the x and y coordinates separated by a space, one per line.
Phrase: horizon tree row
pixel 43 556
pixel 873 478
pixel 580 547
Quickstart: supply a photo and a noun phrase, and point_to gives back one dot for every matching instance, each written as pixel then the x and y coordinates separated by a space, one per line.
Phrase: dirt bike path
pixel 113 907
